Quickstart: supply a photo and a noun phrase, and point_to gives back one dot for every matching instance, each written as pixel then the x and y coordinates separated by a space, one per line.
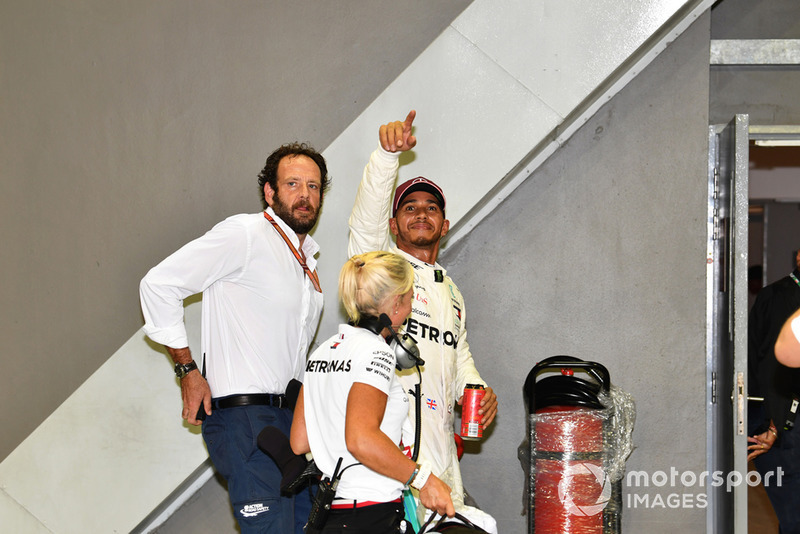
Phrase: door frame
pixel 726 331
pixel 726 324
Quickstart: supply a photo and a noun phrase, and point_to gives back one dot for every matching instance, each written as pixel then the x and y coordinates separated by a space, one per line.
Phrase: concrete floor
pixel 760 515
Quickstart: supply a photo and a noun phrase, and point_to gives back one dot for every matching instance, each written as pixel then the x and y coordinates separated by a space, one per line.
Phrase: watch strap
pixel 419 480
pixel 182 369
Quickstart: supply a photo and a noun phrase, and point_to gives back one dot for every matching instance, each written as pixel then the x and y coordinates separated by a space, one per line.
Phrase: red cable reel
pixel 569 489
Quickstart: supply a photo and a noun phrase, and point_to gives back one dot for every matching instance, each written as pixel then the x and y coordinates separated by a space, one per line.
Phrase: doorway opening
pixel 773 241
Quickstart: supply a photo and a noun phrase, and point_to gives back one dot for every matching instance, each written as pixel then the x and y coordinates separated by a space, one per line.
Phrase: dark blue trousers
pixel 253 477
pixel 783 492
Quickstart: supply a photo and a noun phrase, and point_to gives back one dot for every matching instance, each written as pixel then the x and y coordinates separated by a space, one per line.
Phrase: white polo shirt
pixel 353 355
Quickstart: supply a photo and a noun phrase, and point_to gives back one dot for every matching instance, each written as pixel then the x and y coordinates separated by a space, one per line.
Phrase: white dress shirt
pixel 260 310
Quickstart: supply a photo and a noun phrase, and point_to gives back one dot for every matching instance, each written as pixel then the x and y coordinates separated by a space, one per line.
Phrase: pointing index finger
pixel 409 121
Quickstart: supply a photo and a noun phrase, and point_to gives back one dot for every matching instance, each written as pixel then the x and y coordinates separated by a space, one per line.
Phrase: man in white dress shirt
pixel 261 306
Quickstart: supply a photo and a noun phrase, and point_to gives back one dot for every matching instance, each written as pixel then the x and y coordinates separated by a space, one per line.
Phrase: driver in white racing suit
pixel 416 218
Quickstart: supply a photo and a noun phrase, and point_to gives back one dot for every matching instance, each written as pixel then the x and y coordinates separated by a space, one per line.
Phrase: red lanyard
pixel 312 275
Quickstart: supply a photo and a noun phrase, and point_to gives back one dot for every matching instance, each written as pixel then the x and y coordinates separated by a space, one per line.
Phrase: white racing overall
pixel 437 323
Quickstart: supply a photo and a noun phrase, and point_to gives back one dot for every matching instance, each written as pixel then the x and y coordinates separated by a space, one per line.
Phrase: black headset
pixel 406 352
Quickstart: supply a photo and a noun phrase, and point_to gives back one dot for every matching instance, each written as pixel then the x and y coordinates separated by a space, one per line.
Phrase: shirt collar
pixel 419 264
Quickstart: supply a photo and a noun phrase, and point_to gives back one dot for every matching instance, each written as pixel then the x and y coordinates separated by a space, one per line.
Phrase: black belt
pixel 249 399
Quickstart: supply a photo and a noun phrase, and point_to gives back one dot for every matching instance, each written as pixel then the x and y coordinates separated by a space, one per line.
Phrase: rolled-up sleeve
pixel 221 253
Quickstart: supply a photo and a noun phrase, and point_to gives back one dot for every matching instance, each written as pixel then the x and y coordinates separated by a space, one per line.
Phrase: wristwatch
pixel 182 369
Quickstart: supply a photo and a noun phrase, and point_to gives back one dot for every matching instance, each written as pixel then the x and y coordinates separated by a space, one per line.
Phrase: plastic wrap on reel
pixel 579 438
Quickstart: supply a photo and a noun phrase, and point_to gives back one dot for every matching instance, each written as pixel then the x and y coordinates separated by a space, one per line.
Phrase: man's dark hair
pixel 269 174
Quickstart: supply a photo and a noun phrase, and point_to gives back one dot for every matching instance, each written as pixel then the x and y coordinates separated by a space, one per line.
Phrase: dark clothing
pixel 254 479
pixel 782 464
pixel 768 378
pixel 777 384
pixel 385 518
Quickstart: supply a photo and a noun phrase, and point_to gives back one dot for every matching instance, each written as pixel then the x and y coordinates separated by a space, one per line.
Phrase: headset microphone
pixel 406 355
pixel 405 349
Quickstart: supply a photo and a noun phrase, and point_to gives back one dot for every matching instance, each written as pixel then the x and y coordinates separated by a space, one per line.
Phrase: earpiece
pixel 406 352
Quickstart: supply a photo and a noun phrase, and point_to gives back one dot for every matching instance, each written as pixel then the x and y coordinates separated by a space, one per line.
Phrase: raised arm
pixel 369 219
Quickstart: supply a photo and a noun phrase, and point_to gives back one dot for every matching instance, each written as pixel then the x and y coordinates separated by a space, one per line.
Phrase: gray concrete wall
pixel 600 254
pixel 129 128
pixel 767 94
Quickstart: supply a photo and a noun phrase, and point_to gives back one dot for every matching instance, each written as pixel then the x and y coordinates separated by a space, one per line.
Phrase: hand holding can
pixel 471 427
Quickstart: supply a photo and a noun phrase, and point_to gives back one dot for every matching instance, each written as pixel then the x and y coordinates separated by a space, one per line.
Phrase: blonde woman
pixel 352 407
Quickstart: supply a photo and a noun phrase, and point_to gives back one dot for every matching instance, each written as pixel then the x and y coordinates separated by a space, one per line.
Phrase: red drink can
pixel 471 427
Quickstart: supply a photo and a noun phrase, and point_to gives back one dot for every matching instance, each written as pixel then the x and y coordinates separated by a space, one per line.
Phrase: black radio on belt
pixel 321 506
